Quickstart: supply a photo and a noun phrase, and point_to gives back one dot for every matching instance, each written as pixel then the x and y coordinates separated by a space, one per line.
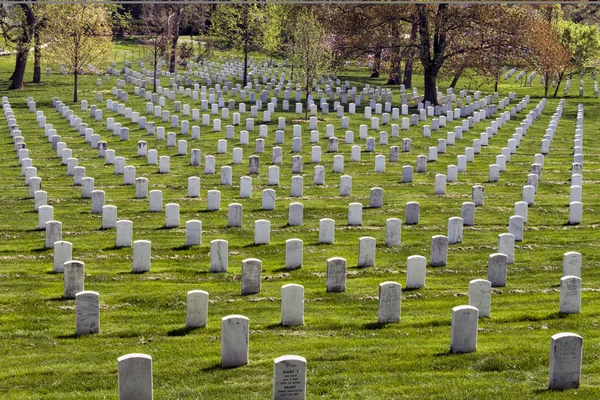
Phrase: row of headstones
pixel 129 173
pixel 135 380
pixel 296 145
pixel 575 196
pixel 386 94
pixel 167 218
pixel 516 223
pixel 581 83
pixel 292 295
pixel 380 163
pixel 462 160
pixel 565 348
pixel 575 204
pixel 289 371
pixel 109 220
pixel 109 212
pixel 27 168
pixel 231 104
pixel 157 110
pixel 570 299
pixel 223 146
pixel 514 143
pixel 54 228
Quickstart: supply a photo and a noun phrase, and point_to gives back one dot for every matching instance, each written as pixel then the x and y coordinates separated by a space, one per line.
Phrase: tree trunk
pixel 245 63
pixel 307 89
pixel 496 81
pixel 408 68
pixel 176 23
pixel 19 72
pixel 456 78
pixel 431 64
pixel 155 66
pixel 430 79
pixel 546 85
pixel 23 48
pixel 560 78
pixel 75 76
pixel 396 60
pixel 376 64
pixel 37 58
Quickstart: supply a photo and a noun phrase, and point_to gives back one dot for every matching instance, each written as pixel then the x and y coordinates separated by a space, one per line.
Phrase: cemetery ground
pixel 349 355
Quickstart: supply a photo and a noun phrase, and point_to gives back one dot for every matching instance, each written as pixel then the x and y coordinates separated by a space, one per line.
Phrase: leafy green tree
pixel 583 41
pixel 242 26
pixel 310 54
pixel 78 35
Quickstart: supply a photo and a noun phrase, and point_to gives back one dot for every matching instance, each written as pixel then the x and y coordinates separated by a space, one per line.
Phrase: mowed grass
pixel 349 355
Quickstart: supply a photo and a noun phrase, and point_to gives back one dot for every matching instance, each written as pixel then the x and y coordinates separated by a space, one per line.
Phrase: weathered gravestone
pixel 390 298
pixel 234 341
pixel 463 336
pixel 196 315
pixel 292 305
pixel 87 309
pixel 135 377
pixel 289 378
pixel 566 352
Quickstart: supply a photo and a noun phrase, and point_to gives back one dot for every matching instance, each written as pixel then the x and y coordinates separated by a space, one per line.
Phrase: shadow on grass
pixel 548 390
pixel 164 228
pixel 61 298
pixel 253 245
pixel 375 325
pixel 71 336
pixel 40 249
pixel 447 353
pixel 53 272
pixel 214 367
pixel 275 326
pixel 207 211
pixel 181 331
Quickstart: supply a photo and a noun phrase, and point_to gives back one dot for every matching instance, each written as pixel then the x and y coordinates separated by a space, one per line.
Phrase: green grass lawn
pixel 348 354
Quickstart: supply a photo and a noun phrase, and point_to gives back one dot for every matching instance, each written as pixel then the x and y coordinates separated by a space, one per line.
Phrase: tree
pixel 503 33
pixel 156 32
pixel 549 56
pixel 18 24
pixel 242 26
pixel 310 54
pixel 272 39
pixel 78 35
pixel 174 22
pixel 583 41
